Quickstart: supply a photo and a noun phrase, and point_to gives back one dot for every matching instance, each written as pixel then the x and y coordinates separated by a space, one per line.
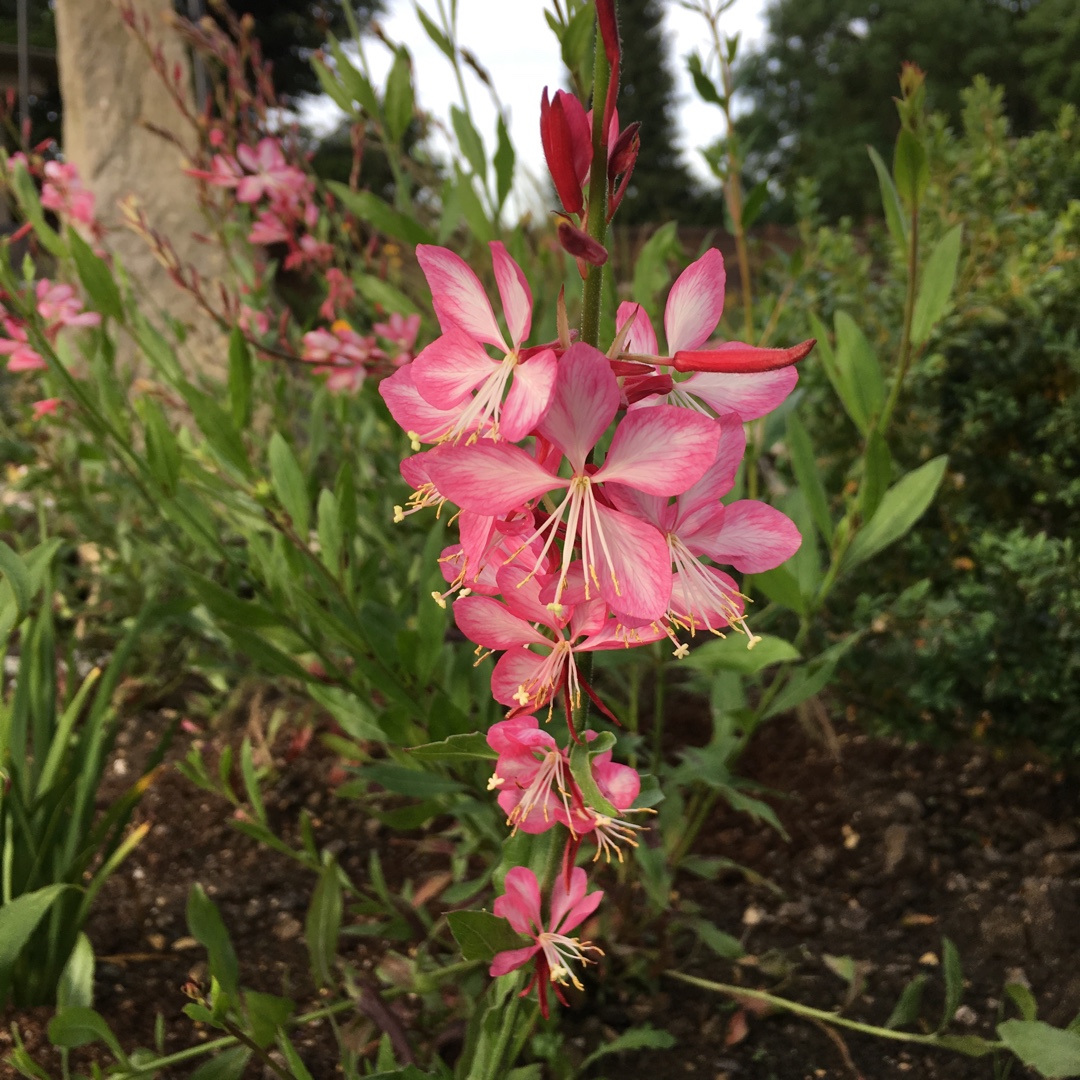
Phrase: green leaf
pixel 755 203
pixel 781 587
pixel 651 274
pixel 228 1065
pixel 911 169
pixel 267 1014
pixel 328 518
pixel 480 935
pixel 890 201
pixel 804 465
pixel 398 101
pixel 76 1026
pixel 756 808
pixel 290 485
pixel 503 161
pixel 472 208
pixel 389 297
pixel 26 194
pixel 217 427
pixel 724 945
pixel 1054 1052
pixel 18 578
pixel 804 683
pixel 162 448
pixel 355 83
pixel 1023 999
pixel 323 923
pixel 861 385
pixel 581 755
pixel 205 923
pixel 954 981
pixel 935 289
pixel 353 714
pixel 96 277
pixel 76 985
pixel 370 209
pixel 297 1069
pixel 19 920
pixel 457 747
pixel 469 141
pixel 732 654
pixel 705 87
pixel 636 1038
pixel 906 1009
pixel 240 379
pixel 877 466
pixel 412 782
pixel 441 41
pixel 902 505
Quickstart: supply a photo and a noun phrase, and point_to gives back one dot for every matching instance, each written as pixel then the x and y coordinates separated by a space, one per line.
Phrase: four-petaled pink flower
pixel 60 306
pixel 729 378
pixel 509 393
pixel 64 194
pixel 268 175
pixel 552 948
pixel 22 356
pixel 342 354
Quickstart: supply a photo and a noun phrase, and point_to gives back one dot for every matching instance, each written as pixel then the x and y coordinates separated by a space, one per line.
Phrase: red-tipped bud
pixel 609 33
pixel 581 245
pixel 647 386
pixel 564 132
pixel 734 358
pixel 621 161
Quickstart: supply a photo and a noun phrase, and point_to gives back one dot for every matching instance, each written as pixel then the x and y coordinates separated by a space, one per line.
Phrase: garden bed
pixel 891 848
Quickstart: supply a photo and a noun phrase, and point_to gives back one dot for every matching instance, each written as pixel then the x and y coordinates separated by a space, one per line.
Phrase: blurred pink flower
pixel 64 193
pixel 45 407
pixel 342 354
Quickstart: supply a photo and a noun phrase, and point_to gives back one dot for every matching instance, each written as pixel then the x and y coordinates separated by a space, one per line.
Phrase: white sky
pixel 512 40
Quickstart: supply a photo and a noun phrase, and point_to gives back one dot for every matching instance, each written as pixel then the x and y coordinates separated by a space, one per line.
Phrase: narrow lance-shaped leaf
pixel 890 202
pixel 910 169
pixel 804 465
pixel 902 505
pixel 398 102
pixel 469 141
pixel 289 485
pixel 935 289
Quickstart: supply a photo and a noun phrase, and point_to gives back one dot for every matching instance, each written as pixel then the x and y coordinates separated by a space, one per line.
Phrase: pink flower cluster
pixel 58 307
pixel 64 194
pixel 347 357
pixel 282 196
pixel 589 488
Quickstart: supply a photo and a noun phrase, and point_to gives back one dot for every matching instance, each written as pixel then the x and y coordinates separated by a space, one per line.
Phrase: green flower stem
pixel 942 1042
pixel 506 1034
pixel 904 360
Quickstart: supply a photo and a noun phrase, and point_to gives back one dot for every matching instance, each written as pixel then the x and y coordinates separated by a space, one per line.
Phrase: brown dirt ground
pixel 891 848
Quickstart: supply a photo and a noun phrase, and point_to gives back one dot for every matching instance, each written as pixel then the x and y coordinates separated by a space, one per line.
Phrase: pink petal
pixel 516 668
pixel 619 784
pixel 570 908
pixel 410 410
pixel 585 402
pixel 755 538
pixel 750 394
pixel 635 574
pixel 661 451
pixel 719 478
pixel 505 737
pixel 695 303
pixel 521 590
pixel 505 962
pixel 490 478
pixel 490 624
pixel 642 337
pixel 450 367
pixel 520 902
pixel 530 395
pixel 457 295
pixel 514 292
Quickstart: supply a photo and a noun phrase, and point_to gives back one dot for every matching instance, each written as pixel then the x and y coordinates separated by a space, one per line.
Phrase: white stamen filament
pixel 486 403
pixel 552 774
pixel 559 950
pixel 705 594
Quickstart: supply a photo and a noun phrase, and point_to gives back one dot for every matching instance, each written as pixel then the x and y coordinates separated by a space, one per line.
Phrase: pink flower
pixel 730 378
pixel 60 306
pixel 553 950
pixel 746 534
pixel 537 790
pixel 21 356
pixel 400 331
pixel 339 291
pixel 456 371
pixel 64 193
pixel 269 174
pixel 45 407
pixel 342 354
pixel 662 451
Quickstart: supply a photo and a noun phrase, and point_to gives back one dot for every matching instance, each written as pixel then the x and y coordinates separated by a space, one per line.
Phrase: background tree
pixel 41 34
pixel 661 186
pixel 820 89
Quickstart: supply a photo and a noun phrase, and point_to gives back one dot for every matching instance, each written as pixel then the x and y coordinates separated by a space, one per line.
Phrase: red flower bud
pixel 581 245
pixel 735 357
pixel 567 141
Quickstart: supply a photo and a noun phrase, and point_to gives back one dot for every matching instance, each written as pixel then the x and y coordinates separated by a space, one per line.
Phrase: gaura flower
pixel 552 948
pixel 509 393
pixel 729 378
